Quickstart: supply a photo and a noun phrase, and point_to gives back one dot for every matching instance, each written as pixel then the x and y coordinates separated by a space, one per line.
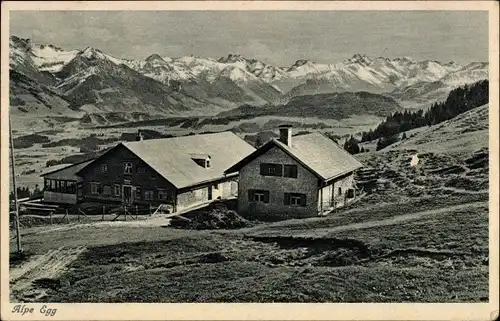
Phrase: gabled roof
pixel 316 152
pixel 67 172
pixel 172 157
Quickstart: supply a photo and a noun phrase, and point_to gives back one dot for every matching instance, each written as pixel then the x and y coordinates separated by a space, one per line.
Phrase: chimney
pixel 286 134
pixel 139 136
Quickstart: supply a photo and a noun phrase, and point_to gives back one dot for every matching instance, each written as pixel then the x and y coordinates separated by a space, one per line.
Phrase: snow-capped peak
pixel 360 58
pixel 405 59
pixel 237 75
pixel 93 53
pixel 301 62
pixel 16 42
pixel 90 52
pixel 155 57
pixel 232 58
pixel 42 57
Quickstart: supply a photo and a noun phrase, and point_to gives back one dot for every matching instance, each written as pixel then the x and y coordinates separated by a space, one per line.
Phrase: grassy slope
pixel 395 263
pixel 465 133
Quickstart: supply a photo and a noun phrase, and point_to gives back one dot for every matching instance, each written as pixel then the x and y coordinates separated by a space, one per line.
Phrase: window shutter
pixel 251 195
pixel 279 170
pixel 263 169
pixel 287 199
pixel 266 196
pixel 302 199
pixel 290 171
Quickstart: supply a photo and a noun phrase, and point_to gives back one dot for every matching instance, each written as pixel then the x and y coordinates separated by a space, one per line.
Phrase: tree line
pixel 459 100
pixel 24 192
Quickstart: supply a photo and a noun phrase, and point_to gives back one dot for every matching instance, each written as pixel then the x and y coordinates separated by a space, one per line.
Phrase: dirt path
pixel 45 266
pixel 322 232
pixel 158 220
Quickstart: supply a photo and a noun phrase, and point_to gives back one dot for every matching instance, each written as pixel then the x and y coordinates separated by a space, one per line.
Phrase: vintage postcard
pixel 249 160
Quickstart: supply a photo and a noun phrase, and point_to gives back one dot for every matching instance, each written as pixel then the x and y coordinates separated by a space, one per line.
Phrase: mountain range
pixel 51 80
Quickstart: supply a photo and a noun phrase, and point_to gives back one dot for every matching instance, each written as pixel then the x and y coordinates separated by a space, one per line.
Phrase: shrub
pixel 29 140
pixel 386 141
pixel 215 216
pixel 52 162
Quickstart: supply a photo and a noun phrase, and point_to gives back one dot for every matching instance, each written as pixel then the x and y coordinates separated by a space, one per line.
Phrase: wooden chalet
pixel 179 172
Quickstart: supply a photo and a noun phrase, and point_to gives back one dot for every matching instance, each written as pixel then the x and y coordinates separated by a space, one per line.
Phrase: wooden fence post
pixel 50 214
pixel 150 210
pixel 136 211
pixel 125 211
pixel 67 216
pixel 103 210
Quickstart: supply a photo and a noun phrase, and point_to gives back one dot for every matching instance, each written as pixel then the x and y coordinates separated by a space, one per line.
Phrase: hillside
pixel 450 158
pixel 30 96
pixel 458 101
pixel 467 132
pixel 331 106
pixel 340 105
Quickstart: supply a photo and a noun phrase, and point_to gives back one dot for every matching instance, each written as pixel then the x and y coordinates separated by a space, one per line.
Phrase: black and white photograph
pixel 248 156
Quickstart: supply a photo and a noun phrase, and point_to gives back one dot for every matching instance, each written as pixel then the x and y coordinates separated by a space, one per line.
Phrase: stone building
pixel 301 176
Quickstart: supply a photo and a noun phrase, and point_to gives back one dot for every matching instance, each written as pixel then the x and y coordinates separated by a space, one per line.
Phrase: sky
pixel 275 37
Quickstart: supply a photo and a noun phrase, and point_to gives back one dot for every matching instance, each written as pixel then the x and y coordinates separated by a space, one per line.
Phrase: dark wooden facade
pixel 119 176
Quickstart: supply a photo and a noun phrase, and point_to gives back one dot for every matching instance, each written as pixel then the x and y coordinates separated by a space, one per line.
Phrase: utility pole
pixel 18 234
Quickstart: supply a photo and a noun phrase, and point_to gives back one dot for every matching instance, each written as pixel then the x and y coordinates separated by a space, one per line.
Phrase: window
pixel 216 186
pixel 290 171
pixel 138 193
pixel 207 163
pixel 128 168
pixel 268 169
pixel 148 195
pixel 142 170
pixel 295 199
pixel 104 168
pixel 162 194
pixel 106 190
pixel 350 193
pixel 95 188
pixel 260 196
pixel 118 190
pixel 340 190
